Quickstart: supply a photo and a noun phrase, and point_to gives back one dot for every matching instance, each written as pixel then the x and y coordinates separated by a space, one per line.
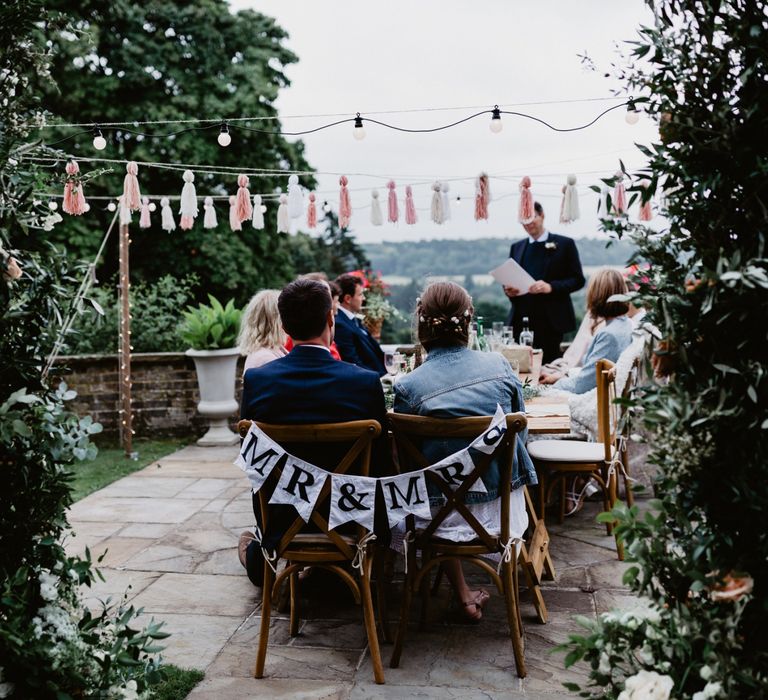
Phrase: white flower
pixel 605 663
pixel 647 685
pixel 705 672
pixel 646 655
pixel 48 586
pixel 454 320
pixel 711 690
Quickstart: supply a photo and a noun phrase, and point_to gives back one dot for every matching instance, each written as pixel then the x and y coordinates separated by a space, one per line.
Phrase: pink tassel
pixel 234 217
pixel 392 203
pixel 311 211
pixel 131 193
pixel 619 195
pixel 345 206
pixel 144 220
pixel 410 209
pixel 525 212
pixel 482 197
pixel 243 206
pixel 646 210
pixel 74 198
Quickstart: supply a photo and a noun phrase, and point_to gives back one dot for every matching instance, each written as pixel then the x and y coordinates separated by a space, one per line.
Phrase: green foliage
pixel 701 70
pixel 213 327
pixel 176 683
pixel 156 316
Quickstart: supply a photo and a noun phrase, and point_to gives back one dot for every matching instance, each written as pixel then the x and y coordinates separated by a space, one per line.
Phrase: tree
pixel 174 60
pixel 701 71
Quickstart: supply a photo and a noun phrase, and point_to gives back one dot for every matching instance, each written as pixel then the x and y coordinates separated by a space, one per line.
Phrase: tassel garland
pixel 525 212
pixel 482 197
pixel 345 206
pixel 410 209
pixel 74 199
pixel 392 213
pixel 209 218
pixel 619 195
pixel 144 220
pixel 131 193
pixel 436 210
pixel 188 204
pixel 295 198
pixel 243 208
pixel 166 216
pixel 569 208
pixel 311 211
pixel 646 208
pixel 444 189
pixel 283 220
pixel 235 222
pixel 376 217
pixel 258 213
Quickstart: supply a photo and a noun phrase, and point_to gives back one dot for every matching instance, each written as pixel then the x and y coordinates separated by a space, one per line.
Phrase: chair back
pixel 409 431
pixel 357 434
pixel 608 412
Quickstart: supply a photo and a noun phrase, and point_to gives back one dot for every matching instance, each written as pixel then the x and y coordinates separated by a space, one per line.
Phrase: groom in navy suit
pixel 355 343
pixel 553 261
pixel 308 386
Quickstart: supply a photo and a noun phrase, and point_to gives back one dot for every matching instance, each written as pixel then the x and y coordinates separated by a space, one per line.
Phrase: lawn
pixel 176 684
pixel 112 464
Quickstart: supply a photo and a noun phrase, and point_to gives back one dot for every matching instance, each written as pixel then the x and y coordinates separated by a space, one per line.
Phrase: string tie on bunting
pixel 407 541
pixel 513 543
pixel 269 557
pixel 359 561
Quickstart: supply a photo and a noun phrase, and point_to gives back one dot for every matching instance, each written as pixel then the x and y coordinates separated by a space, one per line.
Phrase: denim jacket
pixel 455 382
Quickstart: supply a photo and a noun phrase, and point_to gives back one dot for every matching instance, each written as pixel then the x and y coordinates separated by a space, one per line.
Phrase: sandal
pixel 482 598
pixel 573 502
pixel 470 613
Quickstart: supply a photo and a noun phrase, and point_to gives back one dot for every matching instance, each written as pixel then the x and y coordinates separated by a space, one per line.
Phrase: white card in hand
pixel 510 274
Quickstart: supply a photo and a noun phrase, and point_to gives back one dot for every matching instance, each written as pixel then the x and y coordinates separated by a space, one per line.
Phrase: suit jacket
pixel 563 271
pixel 356 345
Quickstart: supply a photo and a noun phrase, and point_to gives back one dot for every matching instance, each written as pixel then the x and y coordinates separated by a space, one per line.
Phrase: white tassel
pixel 569 211
pixel 234 220
pixel 166 216
pixel 283 220
pixel 209 220
pixel 188 203
pixel 258 213
pixel 376 218
pixel 445 188
pixel 125 212
pixel 436 210
pixel 295 198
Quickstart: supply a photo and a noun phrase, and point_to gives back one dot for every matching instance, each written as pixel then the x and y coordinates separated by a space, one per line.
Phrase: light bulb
pixel 358 132
pixel 53 205
pixel 496 126
pixel 99 142
pixel 152 206
pixel 633 115
pixel 224 138
pixel 87 207
pixel 263 208
pixel 326 207
pixel 112 206
pixel 458 200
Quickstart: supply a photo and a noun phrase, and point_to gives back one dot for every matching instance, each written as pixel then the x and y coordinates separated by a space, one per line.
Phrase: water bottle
pixel 526 335
pixel 482 341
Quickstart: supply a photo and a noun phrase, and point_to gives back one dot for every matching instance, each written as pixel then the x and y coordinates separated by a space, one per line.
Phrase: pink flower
pixel 12 270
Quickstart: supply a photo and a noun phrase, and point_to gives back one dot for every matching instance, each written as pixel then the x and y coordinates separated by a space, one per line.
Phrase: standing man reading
pixel 553 261
pixel 355 344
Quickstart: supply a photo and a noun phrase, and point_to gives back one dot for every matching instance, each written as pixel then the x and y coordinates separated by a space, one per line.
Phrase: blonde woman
pixel 261 338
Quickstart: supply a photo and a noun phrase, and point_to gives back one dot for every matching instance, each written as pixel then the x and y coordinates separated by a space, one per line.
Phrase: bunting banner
pixel 353 498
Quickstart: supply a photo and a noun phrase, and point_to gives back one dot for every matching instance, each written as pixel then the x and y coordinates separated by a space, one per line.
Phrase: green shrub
pixel 211 327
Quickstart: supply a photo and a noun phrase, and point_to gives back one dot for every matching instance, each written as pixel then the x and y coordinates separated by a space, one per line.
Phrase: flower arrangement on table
pixel 377 307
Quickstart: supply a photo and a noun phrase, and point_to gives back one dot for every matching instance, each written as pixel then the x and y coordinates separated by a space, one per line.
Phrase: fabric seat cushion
pixel 566 451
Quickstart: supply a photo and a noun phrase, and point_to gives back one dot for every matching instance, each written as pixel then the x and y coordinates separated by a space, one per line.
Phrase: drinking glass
pixel 398 360
pixel 508 335
pixel 498 329
pixel 389 363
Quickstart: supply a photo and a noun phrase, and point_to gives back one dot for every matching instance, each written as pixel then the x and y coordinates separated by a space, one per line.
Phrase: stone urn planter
pixel 216 371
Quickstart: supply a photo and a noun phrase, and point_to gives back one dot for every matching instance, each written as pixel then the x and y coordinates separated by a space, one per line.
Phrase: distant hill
pixel 414 259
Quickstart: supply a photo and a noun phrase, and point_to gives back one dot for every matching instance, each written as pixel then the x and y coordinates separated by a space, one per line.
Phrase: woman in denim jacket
pixel 455 382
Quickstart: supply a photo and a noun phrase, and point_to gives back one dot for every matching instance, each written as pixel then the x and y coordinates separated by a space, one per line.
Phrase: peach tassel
pixel 74 198
pixel 482 197
pixel 526 212
pixel 345 206
pixel 234 217
pixel 619 195
pixel 410 209
pixel 144 220
pixel 131 192
pixel 243 207
pixel 393 213
pixel 311 211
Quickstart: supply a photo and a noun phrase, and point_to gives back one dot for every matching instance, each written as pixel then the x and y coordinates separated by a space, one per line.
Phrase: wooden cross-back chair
pixel 408 431
pixel 559 460
pixel 326 548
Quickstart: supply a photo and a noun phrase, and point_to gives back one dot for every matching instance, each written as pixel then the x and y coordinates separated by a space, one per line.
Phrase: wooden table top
pixel 558 420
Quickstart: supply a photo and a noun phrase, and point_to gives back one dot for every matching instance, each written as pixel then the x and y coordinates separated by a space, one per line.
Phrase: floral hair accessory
pixel 466 312
pixel 454 319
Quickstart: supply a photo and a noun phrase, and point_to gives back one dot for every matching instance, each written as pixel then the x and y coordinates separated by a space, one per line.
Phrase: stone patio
pixel 170 534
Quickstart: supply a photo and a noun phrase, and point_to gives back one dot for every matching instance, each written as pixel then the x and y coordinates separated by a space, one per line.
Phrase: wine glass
pixel 389 363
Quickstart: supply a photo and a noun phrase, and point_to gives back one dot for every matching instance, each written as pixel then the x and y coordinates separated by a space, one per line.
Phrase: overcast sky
pixel 400 55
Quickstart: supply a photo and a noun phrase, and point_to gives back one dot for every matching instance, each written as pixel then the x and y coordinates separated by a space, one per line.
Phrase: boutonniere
pixel 550 245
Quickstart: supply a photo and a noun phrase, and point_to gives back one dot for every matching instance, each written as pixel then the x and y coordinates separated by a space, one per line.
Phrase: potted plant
pixel 211 332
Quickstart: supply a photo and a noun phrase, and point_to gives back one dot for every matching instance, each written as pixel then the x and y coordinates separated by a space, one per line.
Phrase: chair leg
pixel 424 590
pixel 438 580
pixel 370 621
pixel 405 609
pixel 509 580
pixel 266 612
pixel 538 598
pixel 382 585
pixel 627 486
pixel 607 506
pixel 295 604
pixel 542 494
pixel 563 493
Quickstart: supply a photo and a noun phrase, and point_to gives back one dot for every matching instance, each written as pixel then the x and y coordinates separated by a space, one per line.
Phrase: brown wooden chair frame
pixel 435 550
pixel 326 549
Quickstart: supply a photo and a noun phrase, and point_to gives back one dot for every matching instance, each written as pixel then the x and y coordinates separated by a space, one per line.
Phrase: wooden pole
pixel 124 356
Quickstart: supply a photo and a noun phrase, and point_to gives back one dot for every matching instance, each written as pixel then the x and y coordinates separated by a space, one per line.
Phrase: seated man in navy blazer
pixel 553 261
pixel 355 344
pixel 307 386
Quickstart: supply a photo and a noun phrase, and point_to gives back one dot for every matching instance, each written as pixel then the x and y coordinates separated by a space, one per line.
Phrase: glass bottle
pixel 482 341
pixel 526 335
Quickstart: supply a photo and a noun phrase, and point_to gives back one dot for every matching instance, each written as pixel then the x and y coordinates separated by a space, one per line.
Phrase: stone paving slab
pixel 171 532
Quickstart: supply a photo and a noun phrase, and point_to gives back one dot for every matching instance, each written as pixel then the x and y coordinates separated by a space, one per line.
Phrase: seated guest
pixel 261 337
pixel 307 386
pixel 335 292
pixel 355 343
pixel 573 357
pixel 455 382
pixel 609 342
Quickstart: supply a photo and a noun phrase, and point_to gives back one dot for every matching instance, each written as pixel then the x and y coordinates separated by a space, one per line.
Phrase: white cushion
pixel 566 451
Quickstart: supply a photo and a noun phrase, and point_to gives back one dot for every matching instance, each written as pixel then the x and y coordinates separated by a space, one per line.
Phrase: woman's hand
pixel 550 378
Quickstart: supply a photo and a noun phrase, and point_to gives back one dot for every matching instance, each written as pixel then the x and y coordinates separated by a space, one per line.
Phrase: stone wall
pixel 164 392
